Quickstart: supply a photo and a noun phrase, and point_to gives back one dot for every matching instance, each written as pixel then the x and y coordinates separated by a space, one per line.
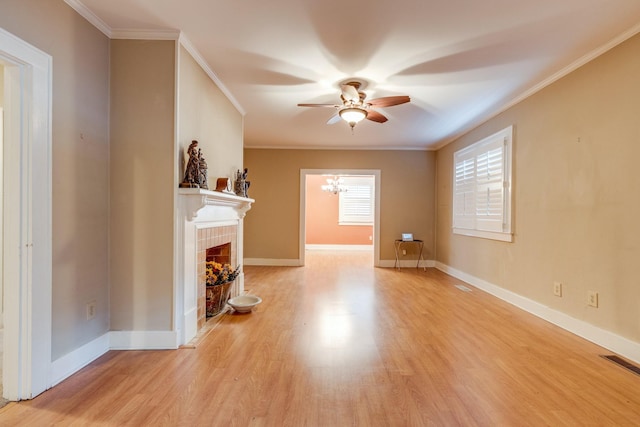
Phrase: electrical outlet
pixel 557 289
pixel 91 310
pixel 404 252
pixel 592 298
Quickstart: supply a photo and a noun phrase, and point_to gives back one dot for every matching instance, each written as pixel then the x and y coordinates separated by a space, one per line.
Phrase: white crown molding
pixel 133 34
pixel 573 66
pixel 124 34
pixel 184 41
pixel 549 80
pixel 90 16
pixel 337 148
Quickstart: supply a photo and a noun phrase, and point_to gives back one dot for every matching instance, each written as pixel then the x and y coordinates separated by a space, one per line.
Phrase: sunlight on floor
pixel 342 257
pixel 340 304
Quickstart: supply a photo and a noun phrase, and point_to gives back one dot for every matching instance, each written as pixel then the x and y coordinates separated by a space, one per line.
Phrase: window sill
pixel 492 235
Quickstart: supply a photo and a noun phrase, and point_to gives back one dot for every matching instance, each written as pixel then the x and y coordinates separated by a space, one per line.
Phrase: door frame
pixel 27 254
pixel 303 209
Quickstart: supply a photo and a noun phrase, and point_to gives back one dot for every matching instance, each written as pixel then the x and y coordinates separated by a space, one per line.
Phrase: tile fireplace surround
pixel 207 219
pixel 208 238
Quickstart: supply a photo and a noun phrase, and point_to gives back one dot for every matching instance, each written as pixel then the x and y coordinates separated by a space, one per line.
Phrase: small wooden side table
pixel 398 248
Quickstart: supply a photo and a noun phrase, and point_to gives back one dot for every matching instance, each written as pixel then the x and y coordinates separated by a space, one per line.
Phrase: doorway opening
pixel 339 209
pixel 1 226
pixel 26 218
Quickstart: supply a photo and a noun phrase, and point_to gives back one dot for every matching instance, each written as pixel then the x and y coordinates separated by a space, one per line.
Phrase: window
pixel 356 205
pixel 482 188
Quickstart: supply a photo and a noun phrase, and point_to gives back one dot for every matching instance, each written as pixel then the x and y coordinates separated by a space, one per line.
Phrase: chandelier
pixel 334 185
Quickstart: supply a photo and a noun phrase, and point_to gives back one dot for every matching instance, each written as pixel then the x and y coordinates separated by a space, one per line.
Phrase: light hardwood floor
pixel 340 343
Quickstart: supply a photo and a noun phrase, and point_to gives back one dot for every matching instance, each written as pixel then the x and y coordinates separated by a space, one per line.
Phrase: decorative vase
pixel 217 296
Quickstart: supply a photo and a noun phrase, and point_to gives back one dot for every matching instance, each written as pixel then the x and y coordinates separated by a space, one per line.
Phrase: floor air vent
pixel 620 361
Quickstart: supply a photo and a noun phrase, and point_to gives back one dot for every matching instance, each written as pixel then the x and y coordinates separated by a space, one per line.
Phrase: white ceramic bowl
pixel 244 303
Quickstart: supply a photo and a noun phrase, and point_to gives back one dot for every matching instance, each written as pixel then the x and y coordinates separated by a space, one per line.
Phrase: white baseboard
pixel 272 262
pixel 71 363
pixel 143 340
pixel 390 263
pixel 384 263
pixel 613 342
pixel 339 248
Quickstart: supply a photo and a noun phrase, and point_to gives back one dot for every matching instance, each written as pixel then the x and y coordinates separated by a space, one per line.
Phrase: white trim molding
pixel 302 230
pixel 184 41
pixel 199 209
pixel 194 199
pixel 158 34
pixel 27 253
pixel 599 336
pixel 71 363
pixel 143 340
pixel 407 263
pixel 363 248
pixel 87 14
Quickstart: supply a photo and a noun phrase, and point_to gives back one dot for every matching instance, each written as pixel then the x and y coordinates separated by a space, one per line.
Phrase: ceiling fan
pixel 354 108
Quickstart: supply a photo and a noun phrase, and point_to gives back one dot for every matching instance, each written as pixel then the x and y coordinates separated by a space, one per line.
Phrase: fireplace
pixel 208 219
pixel 214 244
pixel 220 254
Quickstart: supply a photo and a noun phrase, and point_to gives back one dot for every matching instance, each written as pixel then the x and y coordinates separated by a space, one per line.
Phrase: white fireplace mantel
pixel 195 199
pixel 201 209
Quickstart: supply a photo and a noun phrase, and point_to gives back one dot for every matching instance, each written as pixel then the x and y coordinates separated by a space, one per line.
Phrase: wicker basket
pixel 217 296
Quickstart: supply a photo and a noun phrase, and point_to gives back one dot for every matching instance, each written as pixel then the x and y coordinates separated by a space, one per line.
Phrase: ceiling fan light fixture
pixel 353 115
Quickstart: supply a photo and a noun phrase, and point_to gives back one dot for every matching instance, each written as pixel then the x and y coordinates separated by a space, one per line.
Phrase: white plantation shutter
pixel 464 193
pixel 356 205
pixel 489 189
pixel 481 190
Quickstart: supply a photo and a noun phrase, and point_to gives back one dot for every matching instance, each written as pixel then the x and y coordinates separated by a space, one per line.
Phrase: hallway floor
pixel 340 343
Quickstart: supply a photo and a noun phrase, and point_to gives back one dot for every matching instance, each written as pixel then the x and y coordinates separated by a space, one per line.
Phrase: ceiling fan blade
pixel 334 119
pixel 375 116
pixel 318 105
pixel 350 93
pixel 389 101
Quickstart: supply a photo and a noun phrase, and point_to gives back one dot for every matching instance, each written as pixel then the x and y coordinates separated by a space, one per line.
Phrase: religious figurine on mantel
pixel 202 177
pixel 241 187
pixel 195 173
pixel 192 170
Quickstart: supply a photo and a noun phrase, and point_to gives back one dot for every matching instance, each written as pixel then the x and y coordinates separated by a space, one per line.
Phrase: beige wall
pixel 80 162
pixel 142 184
pixel 576 204
pixel 406 196
pixel 207 115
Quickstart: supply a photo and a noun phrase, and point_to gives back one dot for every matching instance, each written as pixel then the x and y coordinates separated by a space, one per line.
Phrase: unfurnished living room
pixel 319 213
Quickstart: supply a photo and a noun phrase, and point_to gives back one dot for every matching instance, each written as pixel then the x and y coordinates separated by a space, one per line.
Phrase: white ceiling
pixel 460 61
